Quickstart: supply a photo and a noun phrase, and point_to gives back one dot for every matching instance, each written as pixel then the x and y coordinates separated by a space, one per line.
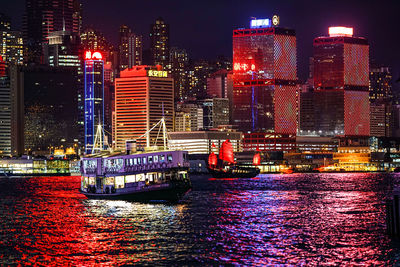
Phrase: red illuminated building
pixel 265 78
pixel 341 72
pixel 143 95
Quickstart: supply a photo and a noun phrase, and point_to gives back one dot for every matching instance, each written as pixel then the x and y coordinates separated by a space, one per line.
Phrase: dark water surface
pixel 298 219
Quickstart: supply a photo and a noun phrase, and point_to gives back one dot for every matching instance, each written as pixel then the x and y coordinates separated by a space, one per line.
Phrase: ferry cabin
pixel 124 173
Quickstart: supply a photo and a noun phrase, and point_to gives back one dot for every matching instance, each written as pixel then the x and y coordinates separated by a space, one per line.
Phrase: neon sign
pixel 244 67
pixel 275 20
pixel 157 73
pixel 93 56
pixel 340 31
pixel 260 23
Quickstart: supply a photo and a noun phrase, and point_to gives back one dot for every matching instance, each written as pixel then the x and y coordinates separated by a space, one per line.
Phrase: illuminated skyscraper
pixel 94 97
pixel 178 62
pixel 265 78
pixel 130 48
pixel 62 49
pixel 220 85
pixel 159 43
pixel 143 95
pixel 380 98
pixel 43 17
pixel 341 78
pixel 11 43
pixel 380 84
pixel 5 111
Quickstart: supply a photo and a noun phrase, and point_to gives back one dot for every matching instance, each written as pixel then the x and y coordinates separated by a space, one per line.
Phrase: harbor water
pixel 296 219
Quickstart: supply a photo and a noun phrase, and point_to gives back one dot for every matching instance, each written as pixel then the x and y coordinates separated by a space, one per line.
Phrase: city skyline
pixel 310 19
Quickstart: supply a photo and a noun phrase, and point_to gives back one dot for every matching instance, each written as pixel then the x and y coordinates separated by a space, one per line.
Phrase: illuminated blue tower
pixel 94 97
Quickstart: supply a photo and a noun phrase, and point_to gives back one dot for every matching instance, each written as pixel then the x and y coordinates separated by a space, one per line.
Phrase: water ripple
pixel 298 219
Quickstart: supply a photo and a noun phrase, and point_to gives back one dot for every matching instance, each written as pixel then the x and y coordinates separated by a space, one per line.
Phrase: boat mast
pixel 98 139
pixel 164 127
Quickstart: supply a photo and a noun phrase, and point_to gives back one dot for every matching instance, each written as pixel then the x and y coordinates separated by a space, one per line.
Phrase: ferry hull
pixel 172 193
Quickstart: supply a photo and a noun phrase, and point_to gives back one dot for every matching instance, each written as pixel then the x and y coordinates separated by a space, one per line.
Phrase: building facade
pixel 204 142
pixel 178 63
pixel 94 97
pixel 215 112
pixel 43 17
pixel 130 48
pixel 220 85
pixel 159 43
pixel 143 95
pixel 341 80
pixel 265 79
pixel 5 111
pixel 62 50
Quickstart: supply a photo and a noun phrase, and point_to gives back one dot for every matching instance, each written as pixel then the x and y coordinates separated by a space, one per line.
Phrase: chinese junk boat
pixel 224 165
pixel 138 176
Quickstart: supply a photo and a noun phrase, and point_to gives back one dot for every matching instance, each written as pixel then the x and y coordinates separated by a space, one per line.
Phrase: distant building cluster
pixel 60 80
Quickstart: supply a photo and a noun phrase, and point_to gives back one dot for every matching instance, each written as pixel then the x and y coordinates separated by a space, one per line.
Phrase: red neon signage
pixel 93 56
pixel 244 67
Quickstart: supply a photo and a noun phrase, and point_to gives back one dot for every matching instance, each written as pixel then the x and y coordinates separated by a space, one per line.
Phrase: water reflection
pixel 293 219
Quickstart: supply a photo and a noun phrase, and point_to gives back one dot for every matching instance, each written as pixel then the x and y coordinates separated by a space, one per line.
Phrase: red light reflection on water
pixel 53 226
pixel 317 219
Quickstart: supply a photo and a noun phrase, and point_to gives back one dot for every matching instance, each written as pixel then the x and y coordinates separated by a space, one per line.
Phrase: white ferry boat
pixel 140 176
pixel 159 175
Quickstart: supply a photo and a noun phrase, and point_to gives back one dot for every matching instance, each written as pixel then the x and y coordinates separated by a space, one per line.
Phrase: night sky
pixel 204 28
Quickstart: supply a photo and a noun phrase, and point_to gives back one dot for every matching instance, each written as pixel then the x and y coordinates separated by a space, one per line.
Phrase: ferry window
pixel 119 182
pixel 139 160
pixel 130 162
pixel 140 177
pixel 162 158
pixel 135 161
pixel 119 163
pixel 150 159
pixel 92 180
pixel 169 157
pixel 130 179
pixel 155 159
pixel 144 160
pixel 110 181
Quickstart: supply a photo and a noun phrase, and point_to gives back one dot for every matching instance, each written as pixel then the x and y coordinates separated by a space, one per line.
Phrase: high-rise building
pixel 143 95
pixel 196 76
pixel 265 78
pixel 215 112
pixel 195 112
pixel 380 97
pixel 62 49
pixel 5 111
pixel 220 85
pixel 17 109
pixel 159 43
pixel 94 97
pixel 380 84
pixel 5 22
pixel 130 48
pixel 178 63
pixel 11 42
pixel 50 107
pixel 43 17
pixel 341 79
pixel 11 47
pixel 182 121
pixel 94 40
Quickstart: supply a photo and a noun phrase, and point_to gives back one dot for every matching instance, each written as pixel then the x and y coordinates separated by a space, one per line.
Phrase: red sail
pixel 212 160
pixel 256 159
pixel 226 152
